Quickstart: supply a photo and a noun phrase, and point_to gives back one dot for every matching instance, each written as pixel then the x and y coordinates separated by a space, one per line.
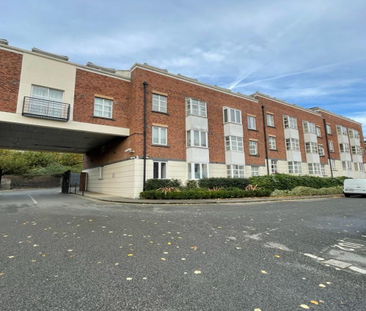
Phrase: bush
pixel 223 182
pixel 288 182
pixel 154 184
pixel 203 194
pixel 299 191
pixel 192 184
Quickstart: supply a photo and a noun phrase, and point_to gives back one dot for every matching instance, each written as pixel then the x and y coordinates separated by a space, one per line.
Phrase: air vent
pixel 110 70
pixel 38 51
pixel 4 42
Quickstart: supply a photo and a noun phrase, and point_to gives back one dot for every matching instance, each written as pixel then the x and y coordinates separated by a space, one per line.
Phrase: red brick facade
pixel 10 69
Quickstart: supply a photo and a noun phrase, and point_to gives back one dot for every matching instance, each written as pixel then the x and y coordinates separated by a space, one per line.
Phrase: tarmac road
pixel 65 252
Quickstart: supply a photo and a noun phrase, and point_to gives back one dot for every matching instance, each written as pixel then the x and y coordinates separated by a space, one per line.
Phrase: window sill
pixel 194 115
pixel 254 130
pixel 272 126
pixel 198 147
pixel 105 118
pixel 254 155
pixel 236 123
pixel 273 149
pixel 157 145
pixel 161 112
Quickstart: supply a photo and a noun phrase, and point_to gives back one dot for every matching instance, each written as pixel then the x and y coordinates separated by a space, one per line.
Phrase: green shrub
pixel 223 182
pixel 288 182
pixel 299 191
pixel 154 184
pixel 203 194
pixel 192 184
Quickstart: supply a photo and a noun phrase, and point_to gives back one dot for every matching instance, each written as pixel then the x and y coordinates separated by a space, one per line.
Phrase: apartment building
pixel 142 123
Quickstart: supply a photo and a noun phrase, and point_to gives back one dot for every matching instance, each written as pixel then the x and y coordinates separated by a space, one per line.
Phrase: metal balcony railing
pixel 45 109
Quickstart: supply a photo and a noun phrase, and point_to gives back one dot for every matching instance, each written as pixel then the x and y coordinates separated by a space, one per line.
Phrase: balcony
pixel 45 109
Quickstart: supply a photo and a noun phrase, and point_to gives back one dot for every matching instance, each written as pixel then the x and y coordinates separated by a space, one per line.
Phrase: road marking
pixel 357 270
pixel 337 263
pixel 34 201
pixel 314 257
pixel 344 248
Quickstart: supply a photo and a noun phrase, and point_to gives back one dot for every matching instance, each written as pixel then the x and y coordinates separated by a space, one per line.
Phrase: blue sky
pixel 311 53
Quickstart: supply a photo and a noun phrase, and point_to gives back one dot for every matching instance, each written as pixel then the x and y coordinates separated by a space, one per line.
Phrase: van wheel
pixel 347 195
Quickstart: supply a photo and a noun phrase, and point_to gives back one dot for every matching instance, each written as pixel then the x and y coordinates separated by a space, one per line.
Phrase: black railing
pixel 45 109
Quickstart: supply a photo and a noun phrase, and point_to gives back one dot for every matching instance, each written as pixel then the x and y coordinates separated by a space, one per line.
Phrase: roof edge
pixel 335 115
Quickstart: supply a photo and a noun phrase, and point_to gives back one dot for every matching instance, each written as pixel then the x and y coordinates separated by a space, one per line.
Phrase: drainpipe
pixel 145 130
pixel 265 139
pixel 327 142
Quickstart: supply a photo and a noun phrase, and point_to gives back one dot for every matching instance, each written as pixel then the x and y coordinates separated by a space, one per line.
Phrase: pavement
pixel 67 252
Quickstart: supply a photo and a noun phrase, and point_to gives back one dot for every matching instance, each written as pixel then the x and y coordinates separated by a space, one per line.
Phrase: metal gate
pixel 70 182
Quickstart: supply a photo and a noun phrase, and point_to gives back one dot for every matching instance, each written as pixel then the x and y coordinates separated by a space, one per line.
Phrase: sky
pixel 309 53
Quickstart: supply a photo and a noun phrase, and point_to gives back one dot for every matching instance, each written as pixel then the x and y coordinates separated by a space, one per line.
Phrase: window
pixel 159 170
pixel 311 147
pixel 292 144
pixel 251 122
pixel 232 115
pixel 318 131
pixel 197 170
pixel 321 150
pixel 341 130
pixel 159 103
pixel 196 139
pixel 270 120
pixel 309 127
pixel 272 142
pixel 255 171
pixel 343 147
pixel 333 164
pixel 314 168
pixel 322 168
pixel 274 166
pixel 253 147
pixel 235 171
pixel 294 167
pixel 38 103
pixel 159 136
pixel 100 169
pixel 356 150
pixel 196 107
pixel 329 129
pixel 234 143
pixel 103 107
pixel 290 122
pixel 347 165
pixel 331 146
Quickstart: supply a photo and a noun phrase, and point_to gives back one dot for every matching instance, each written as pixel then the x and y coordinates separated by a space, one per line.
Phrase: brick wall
pixel 10 68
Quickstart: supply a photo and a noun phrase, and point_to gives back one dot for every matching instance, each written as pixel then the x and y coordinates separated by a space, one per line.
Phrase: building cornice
pixel 180 77
pixel 335 115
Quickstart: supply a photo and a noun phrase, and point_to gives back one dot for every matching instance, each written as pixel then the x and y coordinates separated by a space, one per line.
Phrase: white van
pixel 354 186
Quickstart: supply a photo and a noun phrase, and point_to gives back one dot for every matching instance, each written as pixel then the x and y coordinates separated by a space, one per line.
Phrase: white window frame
pixel 347 165
pixel 104 113
pixel 201 166
pixel 344 148
pixel 159 103
pixel 356 150
pixel 329 129
pixel 234 143
pixel 202 137
pixel 321 150
pixel 322 169
pixel 341 130
pixel 253 147
pixel 331 146
pixel 235 171
pixel 255 170
pixel 232 115
pixel 252 122
pixel 51 107
pixel 318 131
pixel 160 140
pixel 314 168
pixel 311 147
pixel 272 143
pixel 294 167
pixel 195 107
pixel 333 164
pixel 160 165
pixel 309 127
pixel 274 166
pixel 290 122
pixel 270 120
pixel 293 144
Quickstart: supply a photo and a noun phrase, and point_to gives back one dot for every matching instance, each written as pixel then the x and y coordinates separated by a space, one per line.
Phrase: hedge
pixel 203 194
pixel 223 182
pixel 299 191
pixel 154 184
pixel 288 182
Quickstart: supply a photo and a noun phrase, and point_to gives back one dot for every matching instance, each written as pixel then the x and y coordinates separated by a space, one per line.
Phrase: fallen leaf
pixel 314 302
pixel 264 272
pixel 322 285
pixel 322 301
pixel 33 260
pixel 257 309
pixel 277 256
pixel 90 220
pixel 328 283
pixel 69 250
pixel 128 279
pixel 183 259
pixel 130 255
pixel 116 264
pixel 194 247
pixel 238 247
pixel 166 253
pixel 304 306
pixel 2 273
pixel 163 259
pixel 11 257
pixel 169 243
pixel 197 272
